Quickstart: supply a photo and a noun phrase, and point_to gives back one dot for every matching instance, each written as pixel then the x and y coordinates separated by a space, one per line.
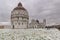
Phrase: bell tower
pixel 44 23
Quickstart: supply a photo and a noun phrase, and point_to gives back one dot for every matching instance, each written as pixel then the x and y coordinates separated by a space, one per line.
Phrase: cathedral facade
pixel 37 24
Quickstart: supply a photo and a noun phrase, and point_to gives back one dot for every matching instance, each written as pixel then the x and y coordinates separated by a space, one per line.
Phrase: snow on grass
pixel 29 34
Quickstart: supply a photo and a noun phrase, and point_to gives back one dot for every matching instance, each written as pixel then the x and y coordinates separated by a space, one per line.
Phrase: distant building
pixel 5 27
pixel 37 24
pixel 1 26
pixel 44 22
pixel 53 26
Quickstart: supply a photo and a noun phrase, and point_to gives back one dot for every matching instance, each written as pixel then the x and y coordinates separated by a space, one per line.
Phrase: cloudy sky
pixel 38 9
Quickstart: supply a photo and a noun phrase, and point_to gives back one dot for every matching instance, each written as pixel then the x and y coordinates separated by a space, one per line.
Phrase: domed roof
pixel 19 7
pixel 19 4
pixel 19 14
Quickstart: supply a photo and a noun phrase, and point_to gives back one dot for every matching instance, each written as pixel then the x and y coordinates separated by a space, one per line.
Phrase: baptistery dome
pixel 19 17
pixel 19 7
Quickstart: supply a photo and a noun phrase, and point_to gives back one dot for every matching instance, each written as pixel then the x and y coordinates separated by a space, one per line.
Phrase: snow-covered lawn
pixel 29 34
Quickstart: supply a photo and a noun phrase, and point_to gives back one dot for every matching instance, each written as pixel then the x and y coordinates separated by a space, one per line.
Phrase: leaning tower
pixel 19 17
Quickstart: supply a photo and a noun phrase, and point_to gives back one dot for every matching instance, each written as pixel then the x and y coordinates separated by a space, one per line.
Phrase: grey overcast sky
pixel 38 9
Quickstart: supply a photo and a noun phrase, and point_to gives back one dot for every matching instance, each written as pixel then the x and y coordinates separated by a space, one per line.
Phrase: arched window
pixel 15 23
pixel 22 23
pixel 19 23
pixel 13 26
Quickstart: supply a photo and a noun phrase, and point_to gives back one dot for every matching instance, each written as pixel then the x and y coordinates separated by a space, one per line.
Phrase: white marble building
pixel 19 17
pixel 37 24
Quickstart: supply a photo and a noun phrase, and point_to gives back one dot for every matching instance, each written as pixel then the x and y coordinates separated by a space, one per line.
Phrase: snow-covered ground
pixel 29 34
